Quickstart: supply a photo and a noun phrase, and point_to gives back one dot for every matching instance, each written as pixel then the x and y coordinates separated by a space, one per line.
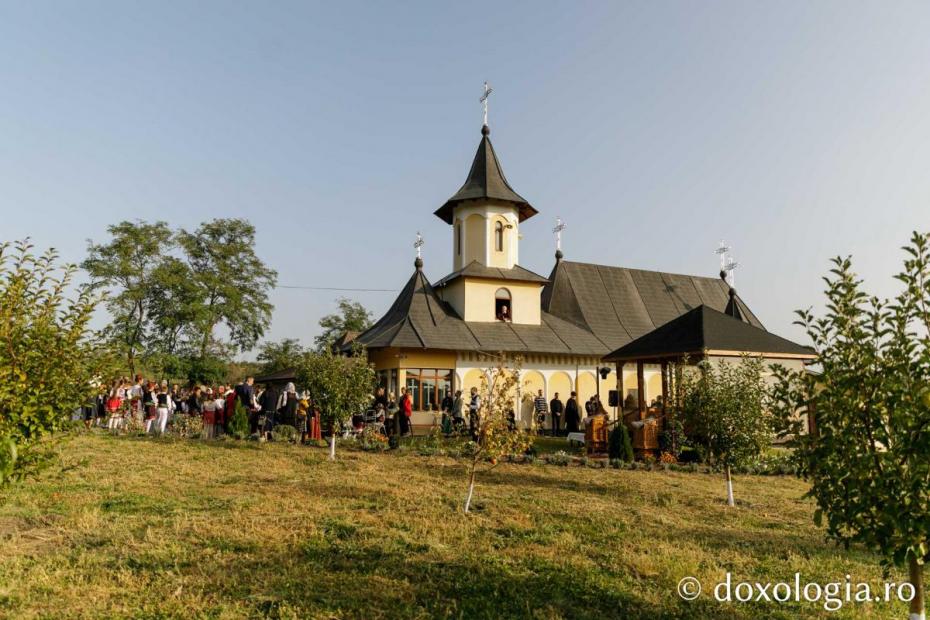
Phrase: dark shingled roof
pixel 419 319
pixel 475 269
pixel 486 180
pixel 586 310
pixel 280 376
pixel 619 305
pixel 705 329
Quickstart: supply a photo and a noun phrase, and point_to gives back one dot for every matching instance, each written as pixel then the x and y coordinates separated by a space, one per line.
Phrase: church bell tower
pixel 485 214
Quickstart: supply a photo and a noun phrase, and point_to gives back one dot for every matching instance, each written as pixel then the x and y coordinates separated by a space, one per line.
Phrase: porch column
pixel 664 387
pixel 641 389
pixel 619 406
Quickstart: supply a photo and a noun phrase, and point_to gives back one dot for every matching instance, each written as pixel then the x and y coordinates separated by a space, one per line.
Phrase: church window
pixel 499 237
pixel 502 308
pixel 428 386
pixel 458 238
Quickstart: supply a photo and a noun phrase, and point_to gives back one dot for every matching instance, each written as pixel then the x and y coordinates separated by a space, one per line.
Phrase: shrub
pixel 371 440
pixel 47 364
pixel 559 458
pixel 284 432
pixel 185 425
pixel 620 444
pixel 239 423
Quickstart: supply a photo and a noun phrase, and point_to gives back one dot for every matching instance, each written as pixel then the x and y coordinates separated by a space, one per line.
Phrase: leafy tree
pixel 48 367
pixel 232 282
pixel 174 306
pixel 208 370
pixel 868 459
pixel 277 356
pixel 495 439
pixel 126 267
pixel 351 317
pixel 724 406
pixel 340 385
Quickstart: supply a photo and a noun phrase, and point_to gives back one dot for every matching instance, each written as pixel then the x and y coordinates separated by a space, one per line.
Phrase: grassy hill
pixel 170 528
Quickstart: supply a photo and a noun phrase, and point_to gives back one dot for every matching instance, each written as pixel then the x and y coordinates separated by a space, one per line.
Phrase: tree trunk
pixel 332 447
pixel 471 489
pixel 916 571
pixel 730 501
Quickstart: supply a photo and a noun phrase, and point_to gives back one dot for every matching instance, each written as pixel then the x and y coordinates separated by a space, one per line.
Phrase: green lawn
pixel 183 529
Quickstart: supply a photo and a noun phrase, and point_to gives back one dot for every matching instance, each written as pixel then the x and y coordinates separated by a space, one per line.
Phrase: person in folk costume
pixel 115 406
pixel 287 406
pixel 220 419
pixel 136 394
pixel 164 407
pixel 229 409
pixel 572 417
pixel 149 405
pixel 316 430
pixel 303 413
pixel 209 414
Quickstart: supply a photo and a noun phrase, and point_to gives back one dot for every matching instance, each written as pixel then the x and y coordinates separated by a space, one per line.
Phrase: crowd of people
pixel 156 405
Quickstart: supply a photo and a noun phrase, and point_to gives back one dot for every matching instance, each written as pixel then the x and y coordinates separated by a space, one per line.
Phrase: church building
pixel 441 336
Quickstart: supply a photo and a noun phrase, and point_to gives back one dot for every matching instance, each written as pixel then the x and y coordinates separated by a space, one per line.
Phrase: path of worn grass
pixel 158 529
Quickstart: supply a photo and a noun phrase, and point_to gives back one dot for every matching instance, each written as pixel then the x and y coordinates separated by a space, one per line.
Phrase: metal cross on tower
pixel 559 227
pixel 418 244
pixel 727 264
pixel 484 100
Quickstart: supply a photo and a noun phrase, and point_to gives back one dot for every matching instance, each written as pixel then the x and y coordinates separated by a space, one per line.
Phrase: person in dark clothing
pixel 555 410
pixel 268 402
pixel 381 399
pixel 193 403
pixel 446 407
pixel 245 391
pixel 287 406
pixel 572 417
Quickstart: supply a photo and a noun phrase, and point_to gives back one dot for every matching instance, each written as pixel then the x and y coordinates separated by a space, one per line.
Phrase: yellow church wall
pixel 471 379
pixel 525 305
pixel 475 239
pixel 587 386
pixel 454 295
pixel 500 258
pixel 560 382
pixel 531 382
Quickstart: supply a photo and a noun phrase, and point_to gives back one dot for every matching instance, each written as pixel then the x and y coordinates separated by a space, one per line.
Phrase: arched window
pixel 502 308
pixel 499 237
pixel 458 238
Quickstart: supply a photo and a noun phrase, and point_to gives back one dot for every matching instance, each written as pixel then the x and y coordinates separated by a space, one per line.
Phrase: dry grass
pixel 162 529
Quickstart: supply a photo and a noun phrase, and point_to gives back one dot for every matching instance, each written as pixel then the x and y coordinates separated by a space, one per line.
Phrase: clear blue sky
pixel 794 130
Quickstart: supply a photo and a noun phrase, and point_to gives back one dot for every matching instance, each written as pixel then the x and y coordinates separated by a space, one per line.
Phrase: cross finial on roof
pixel 484 100
pixel 727 264
pixel 419 244
pixel 559 227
